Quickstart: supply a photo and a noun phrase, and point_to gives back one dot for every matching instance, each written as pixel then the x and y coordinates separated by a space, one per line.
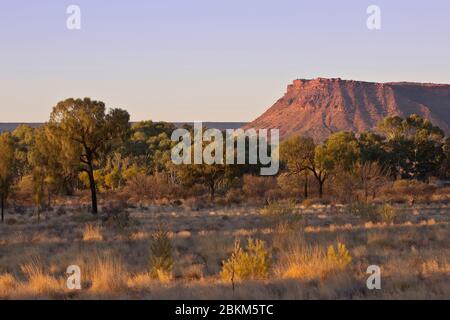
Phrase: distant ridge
pixel 11 126
pixel 321 106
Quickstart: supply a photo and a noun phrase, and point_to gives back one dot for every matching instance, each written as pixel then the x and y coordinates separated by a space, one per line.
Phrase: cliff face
pixel 321 106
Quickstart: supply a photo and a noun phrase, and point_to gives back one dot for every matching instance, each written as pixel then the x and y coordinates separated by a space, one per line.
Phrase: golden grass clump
pixel 8 285
pixel 39 281
pixel 92 233
pixel 278 208
pixel 387 213
pixel 312 262
pixel 108 275
pixel 140 281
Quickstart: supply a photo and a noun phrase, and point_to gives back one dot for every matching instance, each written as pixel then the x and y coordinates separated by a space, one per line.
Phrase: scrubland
pixel 285 250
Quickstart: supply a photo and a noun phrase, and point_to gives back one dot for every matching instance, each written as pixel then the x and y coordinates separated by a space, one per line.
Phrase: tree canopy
pixel 86 134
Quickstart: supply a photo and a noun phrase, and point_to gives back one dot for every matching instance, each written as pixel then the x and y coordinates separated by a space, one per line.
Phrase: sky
pixel 209 60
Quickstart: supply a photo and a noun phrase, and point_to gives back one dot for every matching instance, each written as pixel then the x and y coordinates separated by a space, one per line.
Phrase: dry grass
pixel 40 283
pixel 108 275
pixel 140 282
pixel 92 233
pixel 8 285
pixel 312 262
pixel 412 250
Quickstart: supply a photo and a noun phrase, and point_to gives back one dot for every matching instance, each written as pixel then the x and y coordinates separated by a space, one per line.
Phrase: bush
pixel 307 203
pixel 387 213
pixel 278 208
pixel 339 257
pixel 365 211
pixel 291 185
pixel 60 211
pixel 11 221
pixel 257 187
pixel 233 196
pixel 196 203
pixel 407 190
pixel 254 262
pixel 370 212
pixel 161 260
pixel 116 216
pixel 143 187
pixel 20 209
pixel 344 186
pixel 412 187
pixel 23 193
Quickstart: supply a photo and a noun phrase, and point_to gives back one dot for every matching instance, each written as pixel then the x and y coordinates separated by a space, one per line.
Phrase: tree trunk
pixel 93 191
pixel 49 199
pixel 305 191
pixel 3 208
pixel 321 189
pixel 213 192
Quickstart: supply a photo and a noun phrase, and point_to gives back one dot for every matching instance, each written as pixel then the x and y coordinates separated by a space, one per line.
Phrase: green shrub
pixel 338 257
pixel 161 259
pixel 254 262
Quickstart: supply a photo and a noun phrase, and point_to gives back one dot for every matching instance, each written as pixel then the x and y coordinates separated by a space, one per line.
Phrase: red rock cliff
pixel 321 106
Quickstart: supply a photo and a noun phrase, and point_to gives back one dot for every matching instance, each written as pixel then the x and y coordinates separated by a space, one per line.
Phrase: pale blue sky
pixel 215 60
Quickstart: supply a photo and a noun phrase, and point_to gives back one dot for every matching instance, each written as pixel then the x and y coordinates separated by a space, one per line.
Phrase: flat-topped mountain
pixel 322 106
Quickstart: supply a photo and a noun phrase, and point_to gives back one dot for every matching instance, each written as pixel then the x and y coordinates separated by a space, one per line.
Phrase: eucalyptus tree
pixel 85 134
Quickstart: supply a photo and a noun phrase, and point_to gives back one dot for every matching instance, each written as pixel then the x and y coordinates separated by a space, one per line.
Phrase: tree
pixel 371 176
pixel 320 167
pixel 297 153
pixel 372 148
pixel 8 168
pixel 210 175
pixel 24 136
pixel 339 153
pixel 49 173
pixel 149 144
pixel 413 146
pixel 342 150
pixel 86 134
pixel 445 167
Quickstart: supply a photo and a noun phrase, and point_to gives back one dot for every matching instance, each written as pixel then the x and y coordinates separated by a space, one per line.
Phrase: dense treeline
pixel 85 146
pixel 410 148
